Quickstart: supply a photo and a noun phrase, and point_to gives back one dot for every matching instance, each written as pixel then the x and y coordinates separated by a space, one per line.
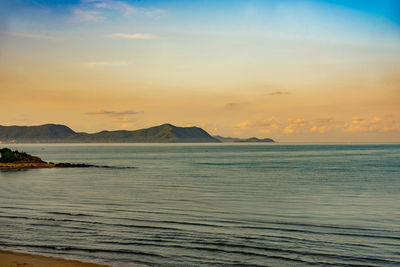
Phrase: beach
pixel 17 259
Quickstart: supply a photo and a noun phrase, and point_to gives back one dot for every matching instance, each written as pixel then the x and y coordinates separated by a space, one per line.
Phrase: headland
pixel 20 160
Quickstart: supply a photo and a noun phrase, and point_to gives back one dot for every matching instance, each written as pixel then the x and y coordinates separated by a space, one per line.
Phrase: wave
pixel 77 214
pixel 90 250
pixel 297 252
pixel 315 258
pixel 346 227
pixel 321 233
pixel 369 233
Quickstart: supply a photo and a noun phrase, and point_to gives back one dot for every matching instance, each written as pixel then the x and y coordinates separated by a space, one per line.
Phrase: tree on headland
pixel 9 156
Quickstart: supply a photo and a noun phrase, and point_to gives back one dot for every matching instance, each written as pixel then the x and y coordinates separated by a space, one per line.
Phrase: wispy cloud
pixel 140 36
pixel 94 64
pixel 91 16
pixel 125 8
pixel 124 119
pixel 279 93
pixel 232 106
pixel 94 11
pixel 114 113
pixel 113 5
pixel 43 36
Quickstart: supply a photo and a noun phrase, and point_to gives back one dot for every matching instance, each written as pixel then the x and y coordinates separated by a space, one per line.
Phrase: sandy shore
pixel 16 259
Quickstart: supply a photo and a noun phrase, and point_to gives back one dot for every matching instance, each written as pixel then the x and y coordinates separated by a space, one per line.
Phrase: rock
pixel 73 165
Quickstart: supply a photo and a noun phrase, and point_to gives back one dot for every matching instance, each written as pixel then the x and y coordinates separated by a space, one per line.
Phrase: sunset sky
pixel 292 70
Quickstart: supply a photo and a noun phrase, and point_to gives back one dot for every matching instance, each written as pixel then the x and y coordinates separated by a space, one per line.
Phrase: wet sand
pixel 17 259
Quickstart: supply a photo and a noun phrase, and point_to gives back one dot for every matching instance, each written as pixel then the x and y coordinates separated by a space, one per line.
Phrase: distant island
pixel 165 133
pixel 255 140
pixel 239 140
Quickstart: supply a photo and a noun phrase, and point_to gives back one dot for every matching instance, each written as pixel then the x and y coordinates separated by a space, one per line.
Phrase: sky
pixel 291 70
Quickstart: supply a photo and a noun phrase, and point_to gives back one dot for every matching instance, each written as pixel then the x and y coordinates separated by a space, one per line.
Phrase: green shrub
pixel 7 155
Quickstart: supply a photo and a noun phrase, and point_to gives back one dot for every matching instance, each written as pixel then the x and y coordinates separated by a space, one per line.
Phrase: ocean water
pixel 208 205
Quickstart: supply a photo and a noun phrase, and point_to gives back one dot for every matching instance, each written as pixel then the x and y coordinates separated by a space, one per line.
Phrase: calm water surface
pixel 204 205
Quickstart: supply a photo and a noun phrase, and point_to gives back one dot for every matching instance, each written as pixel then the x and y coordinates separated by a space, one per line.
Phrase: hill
pixel 226 139
pixel 238 140
pixel 255 140
pixel 45 133
pixel 53 133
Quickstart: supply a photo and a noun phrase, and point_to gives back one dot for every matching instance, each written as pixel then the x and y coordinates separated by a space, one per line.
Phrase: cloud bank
pixel 321 125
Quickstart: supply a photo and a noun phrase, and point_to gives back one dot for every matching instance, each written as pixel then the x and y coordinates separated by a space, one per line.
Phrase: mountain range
pixel 165 133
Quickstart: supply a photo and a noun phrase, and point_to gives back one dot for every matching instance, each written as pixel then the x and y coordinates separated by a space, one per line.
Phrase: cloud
pixel 43 36
pixel 318 125
pixel 81 15
pixel 113 113
pixel 263 126
pixel 125 119
pixel 325 120
pixel 268 125
pixel 94 11
pixel 140 36
pixel 288 130
pixel 279 93
pixel 243 125
pixel 291 126
pixel 113 5
pixel 295 125
pixel 232 106
pixel 124 8
pixel 319 129
pixel 375 124
pixel 94 64
pixel 354 125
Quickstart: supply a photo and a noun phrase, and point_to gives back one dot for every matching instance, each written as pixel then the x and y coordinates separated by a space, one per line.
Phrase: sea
pixel 207 204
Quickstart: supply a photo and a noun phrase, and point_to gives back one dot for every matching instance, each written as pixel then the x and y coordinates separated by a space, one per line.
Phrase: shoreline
pixel 16 259
pixel 15 166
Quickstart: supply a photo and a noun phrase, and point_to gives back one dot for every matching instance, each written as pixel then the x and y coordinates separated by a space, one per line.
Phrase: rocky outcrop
pixel 9 156
pixel 20 160
pixel 73 165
